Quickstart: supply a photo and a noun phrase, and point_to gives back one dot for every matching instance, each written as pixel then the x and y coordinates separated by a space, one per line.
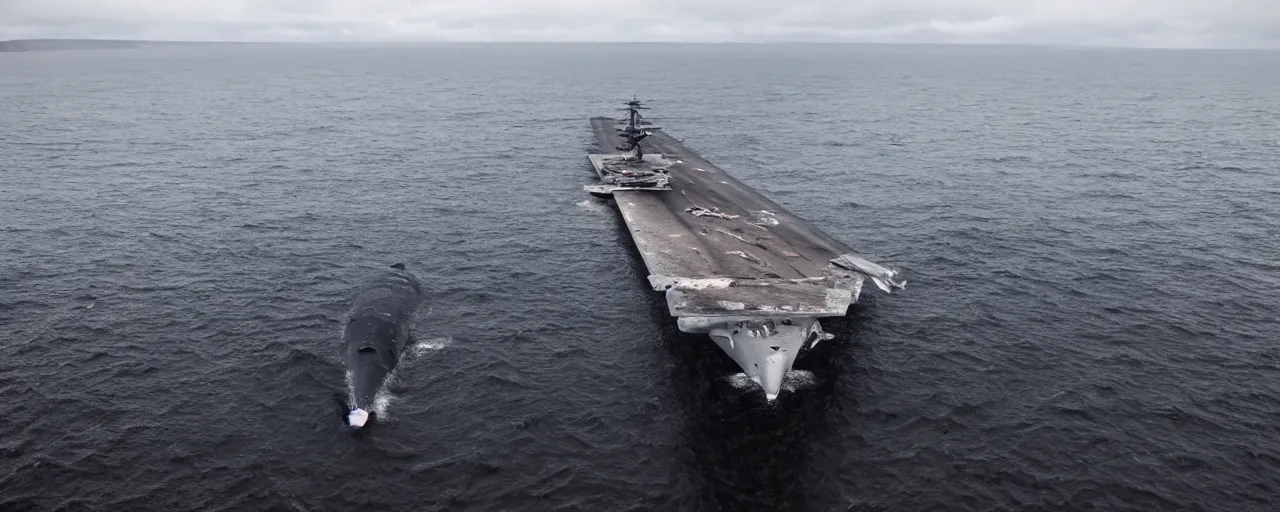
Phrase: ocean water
pixel 1089 237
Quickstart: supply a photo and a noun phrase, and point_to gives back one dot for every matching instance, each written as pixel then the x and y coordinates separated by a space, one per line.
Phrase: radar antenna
pixel 633 132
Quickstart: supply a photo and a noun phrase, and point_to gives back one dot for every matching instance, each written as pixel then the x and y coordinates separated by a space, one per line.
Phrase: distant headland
pixel 50 45
pixel 47 45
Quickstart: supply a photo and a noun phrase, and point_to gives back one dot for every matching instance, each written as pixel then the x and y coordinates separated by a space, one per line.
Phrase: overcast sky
pixel 1158 23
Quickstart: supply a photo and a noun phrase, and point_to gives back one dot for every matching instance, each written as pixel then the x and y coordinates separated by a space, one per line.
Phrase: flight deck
pixel 732 263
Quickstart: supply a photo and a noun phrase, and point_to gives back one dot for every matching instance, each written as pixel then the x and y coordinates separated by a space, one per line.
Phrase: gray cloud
pixel 1162 23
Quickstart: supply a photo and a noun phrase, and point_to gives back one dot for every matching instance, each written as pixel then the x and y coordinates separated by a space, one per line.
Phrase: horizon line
pixel 650 42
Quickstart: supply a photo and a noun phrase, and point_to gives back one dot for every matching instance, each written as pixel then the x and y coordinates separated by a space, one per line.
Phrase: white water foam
pixel 741 381
pixel 794 380
pixel 798 379
pixel 351 388
pixel 428 345
pixel 594 206
pixel 381 399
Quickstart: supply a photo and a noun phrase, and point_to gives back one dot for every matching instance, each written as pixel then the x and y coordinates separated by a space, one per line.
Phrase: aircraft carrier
pixel 732 264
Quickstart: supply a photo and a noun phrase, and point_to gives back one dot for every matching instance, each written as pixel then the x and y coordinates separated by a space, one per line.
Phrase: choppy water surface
pixel 1089 238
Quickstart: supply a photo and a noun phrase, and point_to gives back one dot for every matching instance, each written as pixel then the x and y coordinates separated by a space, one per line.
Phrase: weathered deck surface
pixel 751 275
pixel 765 261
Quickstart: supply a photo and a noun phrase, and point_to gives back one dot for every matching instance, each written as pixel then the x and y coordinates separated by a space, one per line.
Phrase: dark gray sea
pixel 1089 238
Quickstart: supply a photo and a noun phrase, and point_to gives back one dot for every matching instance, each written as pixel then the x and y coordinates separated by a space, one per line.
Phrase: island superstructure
pixel 732 264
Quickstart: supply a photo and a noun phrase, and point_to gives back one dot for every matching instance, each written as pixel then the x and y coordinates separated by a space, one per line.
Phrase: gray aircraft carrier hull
pixel 732 264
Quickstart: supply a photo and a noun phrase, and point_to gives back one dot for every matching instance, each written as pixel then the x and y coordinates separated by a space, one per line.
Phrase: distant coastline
pixel 51 45
pixel 47 45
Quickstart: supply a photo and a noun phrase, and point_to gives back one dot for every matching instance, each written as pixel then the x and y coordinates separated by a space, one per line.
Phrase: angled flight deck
pixel 732 263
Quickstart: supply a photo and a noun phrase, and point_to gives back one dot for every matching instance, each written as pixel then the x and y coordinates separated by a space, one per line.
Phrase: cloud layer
pixel 1158 23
